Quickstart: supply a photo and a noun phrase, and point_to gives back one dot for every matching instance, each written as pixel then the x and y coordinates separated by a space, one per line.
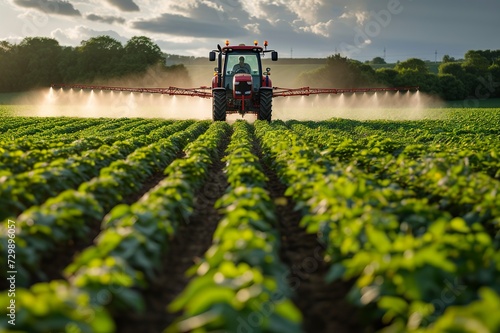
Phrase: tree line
pixel 476 76
pixel 39 62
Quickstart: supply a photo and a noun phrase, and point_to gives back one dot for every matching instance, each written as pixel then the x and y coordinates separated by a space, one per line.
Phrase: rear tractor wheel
pixel 219 104
pixel 266 104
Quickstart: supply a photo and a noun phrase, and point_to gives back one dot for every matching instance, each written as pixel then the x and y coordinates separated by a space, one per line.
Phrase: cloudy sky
pixel 359 29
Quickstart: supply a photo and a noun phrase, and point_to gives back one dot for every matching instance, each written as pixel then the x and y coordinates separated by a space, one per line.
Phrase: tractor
pixel 239 84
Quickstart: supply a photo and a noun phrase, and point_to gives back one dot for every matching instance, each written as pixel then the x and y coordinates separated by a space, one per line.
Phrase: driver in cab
pixel 242 67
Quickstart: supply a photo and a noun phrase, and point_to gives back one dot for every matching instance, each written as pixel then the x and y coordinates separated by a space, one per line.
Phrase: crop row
pixel 48 179
pixel 64 216
pixel 46 129
pixel 349 139
pixel 20 154
pixel 93 140
pixel 465 183
pixel 403 252
pixel 240 284
pixel 126 253
pixel 43 139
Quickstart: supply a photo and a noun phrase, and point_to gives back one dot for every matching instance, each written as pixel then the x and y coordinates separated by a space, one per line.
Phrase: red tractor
pixel 239 84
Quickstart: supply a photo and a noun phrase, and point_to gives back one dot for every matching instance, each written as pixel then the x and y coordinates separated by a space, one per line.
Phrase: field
pixel 340 225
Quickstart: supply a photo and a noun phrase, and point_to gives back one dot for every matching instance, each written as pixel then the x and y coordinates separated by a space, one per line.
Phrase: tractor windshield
pixel 242 63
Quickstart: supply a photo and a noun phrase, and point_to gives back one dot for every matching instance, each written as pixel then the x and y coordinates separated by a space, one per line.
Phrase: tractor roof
pixel 242 47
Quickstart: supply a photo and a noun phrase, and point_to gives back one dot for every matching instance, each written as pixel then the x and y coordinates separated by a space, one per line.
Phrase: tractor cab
pixel 239 84
pixel 241 66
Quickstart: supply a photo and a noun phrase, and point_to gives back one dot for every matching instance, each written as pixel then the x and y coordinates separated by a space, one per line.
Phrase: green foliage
pixel 241 273
pixel 411 225
pixel 408 211
pixel 39 62
pixel 471 318
pixel 340 72
pixel 32 63
pixel 377 60
pixel 55 307
pixel 140 53
pixel 427 82
pixel 494 79
pixel 452 68
pixel 387 76
pixel 413 64
pixel 475 63
pixel 447 58
pixel 477 76
pixel 99 56
pixel 452 88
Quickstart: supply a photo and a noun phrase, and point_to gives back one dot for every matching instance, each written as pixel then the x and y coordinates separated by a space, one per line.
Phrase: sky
pixel 359 29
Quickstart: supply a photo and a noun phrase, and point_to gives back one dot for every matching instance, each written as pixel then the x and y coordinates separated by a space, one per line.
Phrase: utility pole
pixel 384 53
pixel 435 56
pixel 291 53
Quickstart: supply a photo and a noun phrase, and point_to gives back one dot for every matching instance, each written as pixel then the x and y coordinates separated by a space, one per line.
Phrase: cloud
pixel 74 36
pixel 253 28
pixel 321 28
pixel 58 7
pixel 307 10
pixel 360 16
pixel 186 26
pixel 105 18
pixel 124 5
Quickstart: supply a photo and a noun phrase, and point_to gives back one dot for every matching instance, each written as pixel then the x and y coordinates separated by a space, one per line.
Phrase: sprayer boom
pixel 306 91
pixel 205 92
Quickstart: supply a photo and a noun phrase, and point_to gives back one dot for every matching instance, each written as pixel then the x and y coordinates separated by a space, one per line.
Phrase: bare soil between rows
pixel 324 306
pixel 53 263
pixel 191 241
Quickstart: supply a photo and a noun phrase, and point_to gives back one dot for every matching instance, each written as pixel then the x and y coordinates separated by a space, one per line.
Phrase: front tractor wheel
pixel 219 104
pixel 266 104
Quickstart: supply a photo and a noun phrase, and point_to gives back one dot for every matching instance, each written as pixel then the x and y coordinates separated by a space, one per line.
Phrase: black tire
pixel 219 104
pixel 266 104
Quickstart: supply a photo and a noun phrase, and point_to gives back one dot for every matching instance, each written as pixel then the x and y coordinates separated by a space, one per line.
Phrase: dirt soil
pixel 190 243
pixel 54 263
pixel 324 306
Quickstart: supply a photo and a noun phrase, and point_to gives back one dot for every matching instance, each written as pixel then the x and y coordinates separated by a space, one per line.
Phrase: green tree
pixel 494 71
pixel 100 57
pixel 414 64
pixel 340 72
pixel 68 65
pixel 475 63
pixel 5 47
pixel 43 56
pixel 471 83
pixel 451 87
pixel 452 68
pixel 33 63
pixel 428 82
pixel 386 76
pixel 140 53
pixel 378 61
pixel 447 58
pixel 6 68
